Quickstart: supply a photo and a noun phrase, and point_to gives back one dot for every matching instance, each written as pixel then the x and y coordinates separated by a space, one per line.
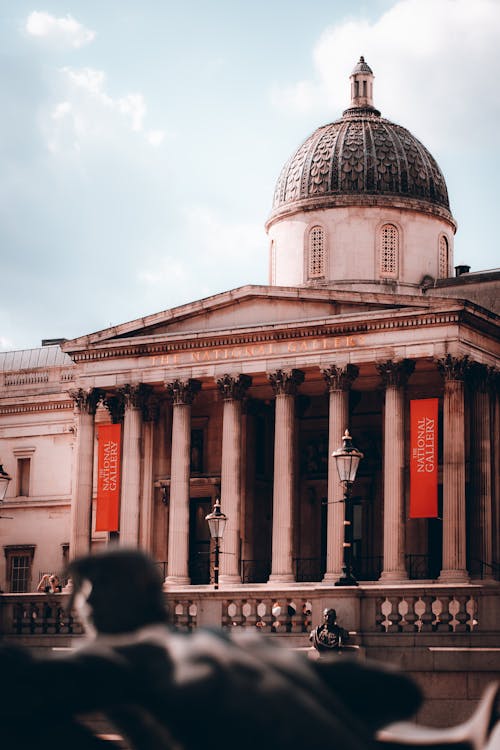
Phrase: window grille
pixel 443 257
pixel 19 564
pixel 389 251
pixel 316 265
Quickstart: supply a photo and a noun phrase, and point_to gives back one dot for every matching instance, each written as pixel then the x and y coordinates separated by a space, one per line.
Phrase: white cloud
pixel 62 31
pixel 155 137
pixel 88 113
pixel 435 64
pixel 219 240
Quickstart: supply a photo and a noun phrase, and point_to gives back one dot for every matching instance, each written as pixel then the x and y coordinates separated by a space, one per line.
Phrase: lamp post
pixel 347 460
pixel 4 482
pixel 216 523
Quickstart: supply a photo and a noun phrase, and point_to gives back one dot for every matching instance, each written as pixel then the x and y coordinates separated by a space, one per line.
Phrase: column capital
pixel 183 391
pixel 86 401
pixel 340 378
pixel 395 374
pixel 454 368
pixel 233 387
pixel 286 381
pixel 135 395
pixel 115 404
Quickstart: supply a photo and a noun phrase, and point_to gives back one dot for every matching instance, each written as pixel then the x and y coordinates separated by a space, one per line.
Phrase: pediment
pixel 245 308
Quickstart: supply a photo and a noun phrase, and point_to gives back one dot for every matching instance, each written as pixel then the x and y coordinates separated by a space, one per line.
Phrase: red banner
pixel 424 458
pixel 108 477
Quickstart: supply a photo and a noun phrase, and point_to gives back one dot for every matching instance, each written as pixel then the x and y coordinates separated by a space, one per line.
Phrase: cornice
pixel 33 407
pixel 270 333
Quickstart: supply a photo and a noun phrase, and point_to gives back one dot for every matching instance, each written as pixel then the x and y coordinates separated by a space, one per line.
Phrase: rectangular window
pixel 23 476
pixel 19 568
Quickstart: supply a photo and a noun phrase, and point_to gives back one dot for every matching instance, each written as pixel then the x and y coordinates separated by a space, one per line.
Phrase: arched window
pixel 316 260
pixel 444 257
pixel 389 251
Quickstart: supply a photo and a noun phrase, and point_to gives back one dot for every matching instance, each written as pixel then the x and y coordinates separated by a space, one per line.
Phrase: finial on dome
pixel 362 85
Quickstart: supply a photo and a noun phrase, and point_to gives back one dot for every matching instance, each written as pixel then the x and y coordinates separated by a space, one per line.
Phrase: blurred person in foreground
pixel 164 690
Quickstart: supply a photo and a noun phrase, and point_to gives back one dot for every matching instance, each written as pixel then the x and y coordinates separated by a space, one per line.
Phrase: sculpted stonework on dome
pixel 360 159
pixel 361 155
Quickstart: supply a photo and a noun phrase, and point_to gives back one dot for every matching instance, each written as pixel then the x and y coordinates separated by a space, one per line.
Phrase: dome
pixel 362 159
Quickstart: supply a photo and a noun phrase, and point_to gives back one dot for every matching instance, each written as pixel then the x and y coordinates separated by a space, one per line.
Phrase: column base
pixel 454 576
pixel 173 581
pixel 393 576
pixel 233 580
pixel 281 578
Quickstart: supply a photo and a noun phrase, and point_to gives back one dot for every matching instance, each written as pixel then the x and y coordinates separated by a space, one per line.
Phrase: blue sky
pixel 140 140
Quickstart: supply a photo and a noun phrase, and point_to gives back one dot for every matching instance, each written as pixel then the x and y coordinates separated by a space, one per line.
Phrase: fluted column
pixel 232 390
pixel 182 394
pixel 284 384
pixel 394 377
pixel 454 370
pixel 130 497
pixel 481 533
pixel 339 380
pixel 81 500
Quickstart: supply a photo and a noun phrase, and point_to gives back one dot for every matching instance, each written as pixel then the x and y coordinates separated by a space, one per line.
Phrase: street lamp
pixel 216 523
pixel 4 482
pixel 347 459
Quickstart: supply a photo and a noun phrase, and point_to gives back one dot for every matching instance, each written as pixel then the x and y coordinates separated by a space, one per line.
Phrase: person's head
pixel 117 591
pixel 53 580
pixel 330 616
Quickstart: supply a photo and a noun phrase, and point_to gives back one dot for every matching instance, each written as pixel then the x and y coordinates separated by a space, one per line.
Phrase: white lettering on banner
pixel 109 471
pixel 424 451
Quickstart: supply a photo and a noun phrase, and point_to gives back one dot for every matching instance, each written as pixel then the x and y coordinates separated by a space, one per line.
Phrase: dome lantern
pixel 362 85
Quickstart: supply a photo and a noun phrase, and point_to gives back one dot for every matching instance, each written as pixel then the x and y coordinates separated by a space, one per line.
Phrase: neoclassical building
pixel 245 395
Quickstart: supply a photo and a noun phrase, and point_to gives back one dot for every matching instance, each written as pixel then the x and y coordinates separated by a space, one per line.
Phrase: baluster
pixel 248 614
pixel 427 616
pixel 192 613
pixel 261 614
pixel 386 610
pixel 419 612
pixel 471 608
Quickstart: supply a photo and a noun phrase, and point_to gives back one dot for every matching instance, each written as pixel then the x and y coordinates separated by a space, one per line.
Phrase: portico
pixel 252 413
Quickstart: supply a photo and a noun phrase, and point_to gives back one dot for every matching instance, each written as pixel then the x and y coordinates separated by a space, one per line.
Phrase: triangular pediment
pixel 246 307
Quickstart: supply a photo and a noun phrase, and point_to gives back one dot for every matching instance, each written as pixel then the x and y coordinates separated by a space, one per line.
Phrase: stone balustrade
pixel 367 610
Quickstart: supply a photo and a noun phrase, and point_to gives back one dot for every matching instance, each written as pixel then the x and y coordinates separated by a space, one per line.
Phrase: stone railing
pixel 367 610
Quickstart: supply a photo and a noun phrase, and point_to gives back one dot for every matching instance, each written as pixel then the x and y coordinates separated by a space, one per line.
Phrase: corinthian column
pixel 232 390
pixel 182 394
pixel 285 386
pixel 454 370
pixel 481 532
pixel 339 381
pixel 81 500
pixel 394 376
pixel 134 397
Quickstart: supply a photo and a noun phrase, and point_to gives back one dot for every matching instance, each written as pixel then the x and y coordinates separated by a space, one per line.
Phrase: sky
pixel 140 140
